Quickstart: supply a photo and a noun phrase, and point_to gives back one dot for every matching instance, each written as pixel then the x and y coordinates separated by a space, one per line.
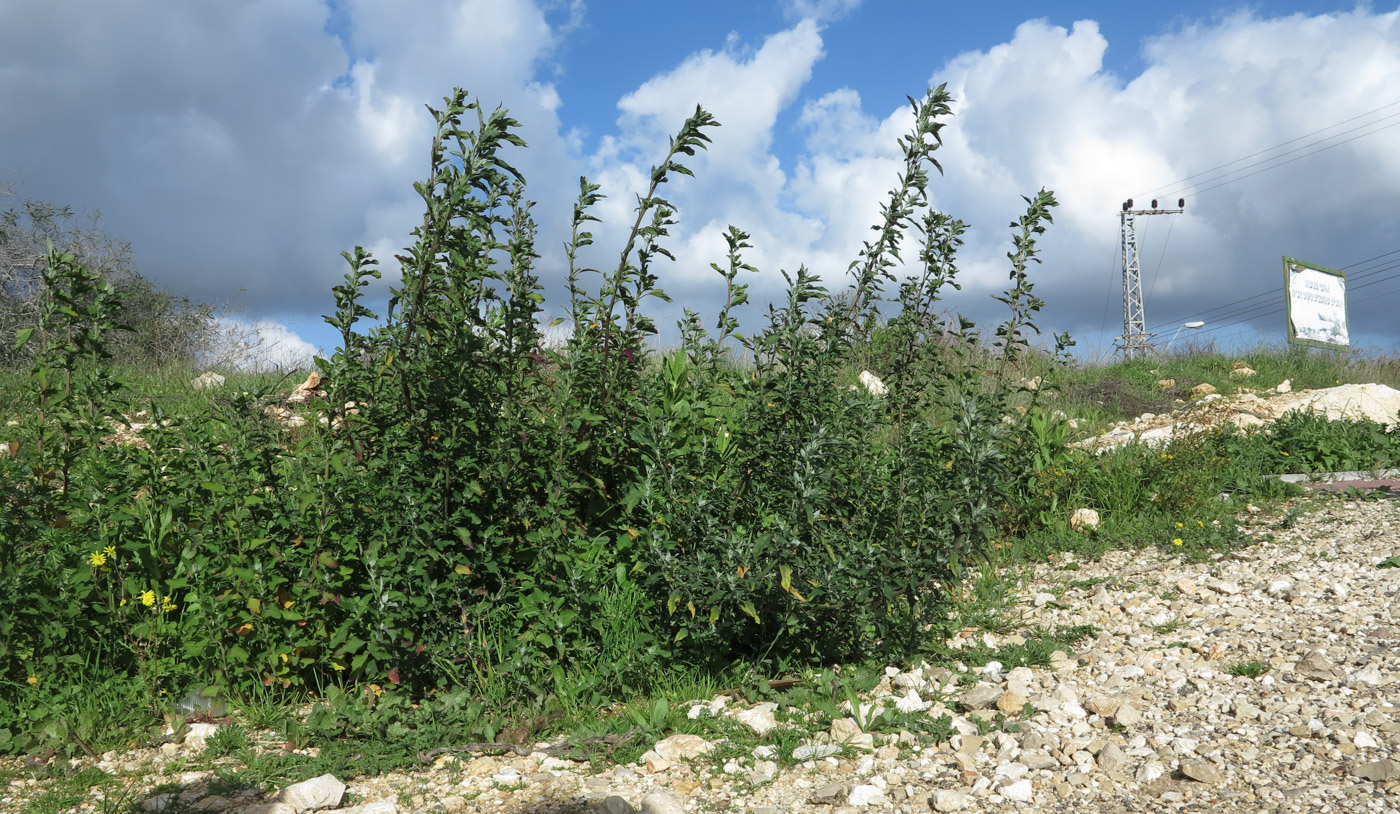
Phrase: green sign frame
pixel 1325 294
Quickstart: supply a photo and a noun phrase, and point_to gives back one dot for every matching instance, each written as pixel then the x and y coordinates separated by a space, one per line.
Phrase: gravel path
pixel 1148 716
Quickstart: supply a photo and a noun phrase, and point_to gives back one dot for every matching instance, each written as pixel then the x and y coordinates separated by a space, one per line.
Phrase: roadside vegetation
pixel 475 536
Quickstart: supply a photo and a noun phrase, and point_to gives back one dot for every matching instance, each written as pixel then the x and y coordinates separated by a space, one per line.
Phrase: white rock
pixel 815 751
pixel 682 747
pixel 1285 386
pixel 1365 740
pixel 206 380
pixel 949 800
pixel 911 703
pixel 865 795
pixel 1084 520
pixel 198 736
pixel 318 792
pixel 1149 771
pixel 760 718
pixel 1018 792
pixel 872 383
pixel 661 802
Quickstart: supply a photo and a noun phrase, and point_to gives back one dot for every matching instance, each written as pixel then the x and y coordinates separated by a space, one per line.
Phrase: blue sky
pixel 242 146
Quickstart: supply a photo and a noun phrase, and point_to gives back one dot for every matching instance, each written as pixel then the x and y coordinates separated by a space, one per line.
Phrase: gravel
pixel 1264 680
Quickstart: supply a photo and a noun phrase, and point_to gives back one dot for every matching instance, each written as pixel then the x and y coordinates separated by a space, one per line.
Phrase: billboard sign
pixel 1317 304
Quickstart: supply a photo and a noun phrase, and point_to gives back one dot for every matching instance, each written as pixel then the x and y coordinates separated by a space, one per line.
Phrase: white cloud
pixel 818 10
pixel 258 345
pixel 242 146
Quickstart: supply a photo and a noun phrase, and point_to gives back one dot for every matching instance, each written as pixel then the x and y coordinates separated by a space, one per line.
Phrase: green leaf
pixel 22 336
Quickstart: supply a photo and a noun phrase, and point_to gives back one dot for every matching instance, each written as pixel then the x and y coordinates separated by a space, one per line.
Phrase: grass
pixel 1248 669
pixel 352 736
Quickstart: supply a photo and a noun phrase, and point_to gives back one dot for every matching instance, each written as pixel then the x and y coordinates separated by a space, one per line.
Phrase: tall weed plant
pixel 468 506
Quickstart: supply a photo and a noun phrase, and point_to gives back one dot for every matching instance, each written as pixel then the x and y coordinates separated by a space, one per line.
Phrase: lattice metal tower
pixel 1136 341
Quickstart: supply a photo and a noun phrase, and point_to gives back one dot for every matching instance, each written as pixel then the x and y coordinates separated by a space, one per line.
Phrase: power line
pixel 1161 190
pixel 1238 311
pixel 1289 161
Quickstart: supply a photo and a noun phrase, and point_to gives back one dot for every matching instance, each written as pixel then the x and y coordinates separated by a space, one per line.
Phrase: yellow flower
pixel 1178 525
pixel 98 559
pixel 33 679
pixel 148 598
pixel 123 602
pixel 166 605
pixel 110 551
pixel 1201 523
pixel 1176 541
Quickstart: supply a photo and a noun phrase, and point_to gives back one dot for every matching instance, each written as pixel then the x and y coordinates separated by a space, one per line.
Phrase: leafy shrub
pixel 469 507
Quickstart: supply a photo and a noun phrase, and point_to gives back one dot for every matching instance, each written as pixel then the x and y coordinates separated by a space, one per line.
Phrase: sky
pixel 242 145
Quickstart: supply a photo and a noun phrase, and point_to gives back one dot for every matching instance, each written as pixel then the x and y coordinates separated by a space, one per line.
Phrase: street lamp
pixel 1191 325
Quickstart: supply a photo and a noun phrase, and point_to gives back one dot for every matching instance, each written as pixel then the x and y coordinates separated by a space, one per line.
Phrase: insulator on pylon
pixel 1180 203
pixel 1154 203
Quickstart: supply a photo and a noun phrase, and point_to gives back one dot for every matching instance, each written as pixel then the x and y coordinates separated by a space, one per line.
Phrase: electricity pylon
pixel 1136 341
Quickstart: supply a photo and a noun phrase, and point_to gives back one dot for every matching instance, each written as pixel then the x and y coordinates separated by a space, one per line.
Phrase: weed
pixel 1249 669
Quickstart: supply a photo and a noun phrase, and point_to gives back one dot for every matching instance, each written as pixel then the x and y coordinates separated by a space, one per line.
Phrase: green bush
pixel 468 507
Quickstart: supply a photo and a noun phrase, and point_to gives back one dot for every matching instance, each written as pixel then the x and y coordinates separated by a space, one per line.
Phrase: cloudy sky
pixel 241 145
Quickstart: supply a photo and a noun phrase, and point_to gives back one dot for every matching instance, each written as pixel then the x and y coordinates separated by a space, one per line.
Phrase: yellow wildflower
pixel 1176 541
pixel 98 559
pixel 123 604
pixel 33 679
pixel 148 598
pixel 166 605
pixel 110 551
pixel 1178 525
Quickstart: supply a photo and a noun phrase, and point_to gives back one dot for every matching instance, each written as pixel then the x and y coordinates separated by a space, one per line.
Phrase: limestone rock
pixel 207 380
pixel 1202 771
pixel 615 805
pixel 1285 386
pixel 1102 705
pixel 815 751
pixel 318 792
pixel 760 718
pixel 682 747
pixel 1018 792
pixel 1127 715
pixel 661 801
pixel 872 383
pixel 199 735
pixel 1380 771
pixel 1084 520
pixel 1011 703
pixel 1202 389
pixel 949 800
pixel 1166 384
pixel 1316 665
pixel 980 697
pixel 831 792
pixel 866 795
pixel 1111 761
pixel 1243 371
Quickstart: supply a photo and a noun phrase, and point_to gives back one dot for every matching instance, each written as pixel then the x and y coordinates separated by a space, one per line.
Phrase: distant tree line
pixel 163 329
